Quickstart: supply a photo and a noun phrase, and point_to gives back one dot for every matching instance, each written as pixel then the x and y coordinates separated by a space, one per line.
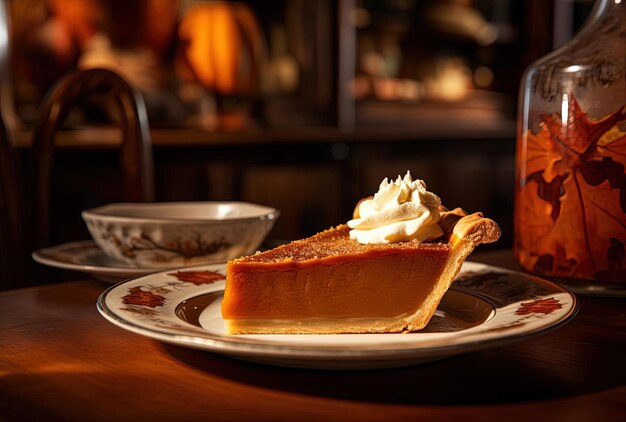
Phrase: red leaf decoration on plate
pixel 137 296
pixel 539 306
pixel 198 277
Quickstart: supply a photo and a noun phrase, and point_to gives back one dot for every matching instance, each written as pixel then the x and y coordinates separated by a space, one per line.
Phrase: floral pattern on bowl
pixel 158 240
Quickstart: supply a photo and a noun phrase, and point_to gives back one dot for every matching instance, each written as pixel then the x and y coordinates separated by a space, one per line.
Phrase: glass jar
pixel 570 193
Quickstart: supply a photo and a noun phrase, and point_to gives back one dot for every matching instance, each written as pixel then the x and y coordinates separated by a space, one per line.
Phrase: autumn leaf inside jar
pixel 570 199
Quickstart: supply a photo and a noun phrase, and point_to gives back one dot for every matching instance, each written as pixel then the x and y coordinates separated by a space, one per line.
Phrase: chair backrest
pixel 136 148
pixel 12 269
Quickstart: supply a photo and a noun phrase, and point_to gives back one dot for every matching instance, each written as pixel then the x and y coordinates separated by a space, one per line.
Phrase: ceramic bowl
pixel 174 234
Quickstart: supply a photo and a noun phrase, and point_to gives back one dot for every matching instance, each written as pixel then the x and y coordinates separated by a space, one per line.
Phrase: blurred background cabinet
pixel 304 105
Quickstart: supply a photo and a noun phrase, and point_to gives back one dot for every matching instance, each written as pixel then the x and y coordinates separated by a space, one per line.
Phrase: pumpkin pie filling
pixel 332 283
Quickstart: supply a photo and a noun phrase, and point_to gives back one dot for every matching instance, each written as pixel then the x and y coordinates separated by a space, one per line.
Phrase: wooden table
pixel 59 360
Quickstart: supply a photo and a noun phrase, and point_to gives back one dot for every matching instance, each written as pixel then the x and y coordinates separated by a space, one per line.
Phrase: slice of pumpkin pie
pixel 384 271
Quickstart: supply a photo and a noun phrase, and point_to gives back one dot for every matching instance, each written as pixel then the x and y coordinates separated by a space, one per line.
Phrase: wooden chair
pixel 12 259
pixel 135 151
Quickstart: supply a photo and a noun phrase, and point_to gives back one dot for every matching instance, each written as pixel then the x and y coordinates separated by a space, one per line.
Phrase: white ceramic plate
pixel 487 307
pixel 85 256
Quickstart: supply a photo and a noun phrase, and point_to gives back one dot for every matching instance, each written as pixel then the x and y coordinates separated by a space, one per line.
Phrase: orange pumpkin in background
pixel 222 47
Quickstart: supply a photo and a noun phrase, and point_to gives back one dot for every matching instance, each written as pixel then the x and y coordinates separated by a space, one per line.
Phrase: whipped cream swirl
pixel 400 211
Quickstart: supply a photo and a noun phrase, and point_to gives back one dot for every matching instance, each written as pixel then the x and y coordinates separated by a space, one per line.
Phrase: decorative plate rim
pixel 244 346
pixel 42 256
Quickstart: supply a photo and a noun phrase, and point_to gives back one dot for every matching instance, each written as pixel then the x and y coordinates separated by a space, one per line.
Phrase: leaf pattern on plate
pixel 138 296
pixel 142 298
pixel 539 306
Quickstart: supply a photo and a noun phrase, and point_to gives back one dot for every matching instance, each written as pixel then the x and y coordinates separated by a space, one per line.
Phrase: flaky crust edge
pixel 468 232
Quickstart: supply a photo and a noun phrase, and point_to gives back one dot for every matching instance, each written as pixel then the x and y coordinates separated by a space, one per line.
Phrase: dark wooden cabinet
pixel 316 149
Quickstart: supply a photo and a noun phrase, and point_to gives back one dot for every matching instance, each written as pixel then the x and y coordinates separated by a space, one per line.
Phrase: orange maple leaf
pixel 572 196
pixel 579 134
